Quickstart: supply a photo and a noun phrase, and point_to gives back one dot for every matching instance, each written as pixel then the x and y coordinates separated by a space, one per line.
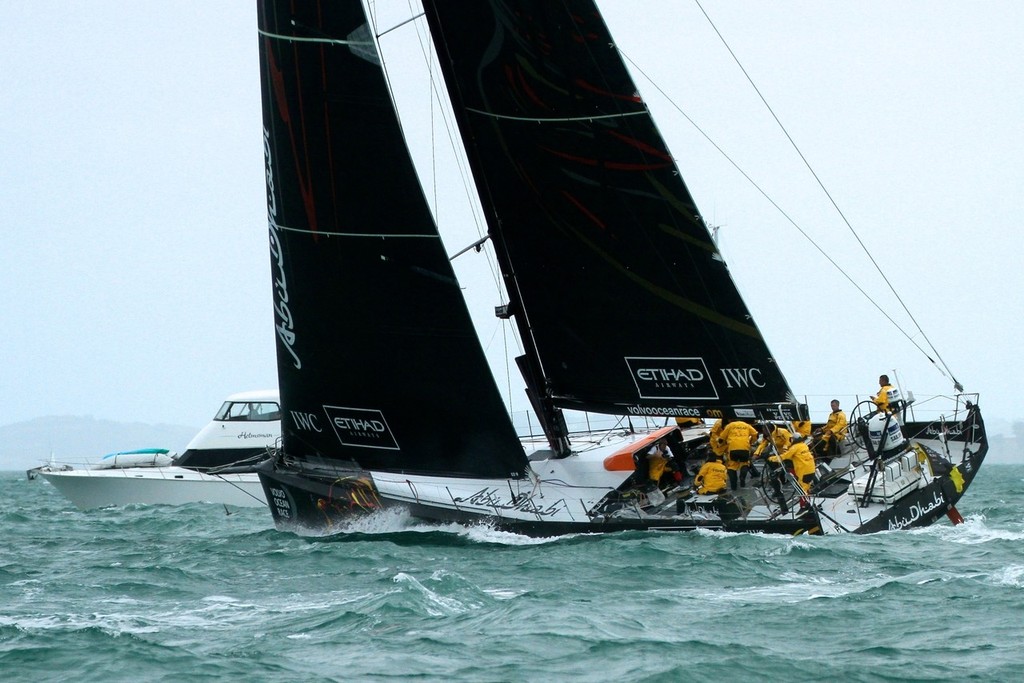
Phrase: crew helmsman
pixel 712 476
pixel 832 433
pixel 739 438
pixel 886 395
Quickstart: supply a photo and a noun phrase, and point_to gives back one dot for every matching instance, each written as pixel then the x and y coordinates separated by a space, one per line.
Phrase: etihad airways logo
pixel 361 427
pixel 672 378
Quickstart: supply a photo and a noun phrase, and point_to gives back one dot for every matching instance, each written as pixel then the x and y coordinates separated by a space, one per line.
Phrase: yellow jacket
pixel 712 478
pixel 802 427
pixel 656 466
pixel 739 436
pixel 715 440
pixel 780 437
pixel 801 462
pixel 882 400
pixel 835 426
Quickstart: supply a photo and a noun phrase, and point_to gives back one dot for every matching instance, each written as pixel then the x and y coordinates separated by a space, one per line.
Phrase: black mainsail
pixel 378 360
pixel 623 301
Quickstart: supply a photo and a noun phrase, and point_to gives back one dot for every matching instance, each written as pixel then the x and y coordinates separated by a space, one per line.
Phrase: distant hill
pixel 80 439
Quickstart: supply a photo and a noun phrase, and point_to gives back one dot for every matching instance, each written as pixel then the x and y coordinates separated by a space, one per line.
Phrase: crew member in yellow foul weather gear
pixel 687 422
pixel 886 394
pixel 715 441
pixel 657 461
pixel 831 433
pixel 802 427
pixel 780 438
pixel 798 459
pixel 711 478
pixel 739 437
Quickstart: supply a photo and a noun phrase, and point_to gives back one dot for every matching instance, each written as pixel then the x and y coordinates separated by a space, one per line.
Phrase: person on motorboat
pixel 833 431
pixel 739 438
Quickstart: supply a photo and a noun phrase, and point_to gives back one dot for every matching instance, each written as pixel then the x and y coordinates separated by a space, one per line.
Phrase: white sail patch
pixel 361 427
pixel 672 378
pixel 360 42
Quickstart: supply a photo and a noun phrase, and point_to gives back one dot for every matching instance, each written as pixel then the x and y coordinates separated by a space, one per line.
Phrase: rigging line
pixel 783 212
pixel 831 200
pixel 256 498
pixel 400 25
pixel 460 161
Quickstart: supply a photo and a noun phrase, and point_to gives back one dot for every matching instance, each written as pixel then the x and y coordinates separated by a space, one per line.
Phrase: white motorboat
pixel 216 466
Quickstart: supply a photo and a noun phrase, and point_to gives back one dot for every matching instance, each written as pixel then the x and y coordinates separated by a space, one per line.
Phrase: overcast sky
pixel 136 278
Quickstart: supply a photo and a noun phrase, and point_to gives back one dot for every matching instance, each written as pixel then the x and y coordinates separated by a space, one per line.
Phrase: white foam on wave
pixel 973 531
pixel 398 520
pixel 437 605
pixel 504 593
pixel 1010 576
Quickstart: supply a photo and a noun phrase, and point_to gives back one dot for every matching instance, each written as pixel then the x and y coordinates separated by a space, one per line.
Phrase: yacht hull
pixel 577 495
pixel 88 489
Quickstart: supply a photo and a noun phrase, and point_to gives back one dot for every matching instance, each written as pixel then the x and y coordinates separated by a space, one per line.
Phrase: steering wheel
pixel 863 410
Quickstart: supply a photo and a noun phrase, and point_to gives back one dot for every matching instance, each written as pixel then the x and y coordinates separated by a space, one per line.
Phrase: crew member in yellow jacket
pixel 659 463
pixel 780 439
pixel 687 422
pixel 799 460
pixel 739 438
pixel 711 478
pixel 715 439
pixel 831 433
pixel 886 394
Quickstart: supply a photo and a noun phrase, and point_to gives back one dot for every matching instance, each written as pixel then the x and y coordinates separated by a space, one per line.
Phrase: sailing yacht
pixel 620 296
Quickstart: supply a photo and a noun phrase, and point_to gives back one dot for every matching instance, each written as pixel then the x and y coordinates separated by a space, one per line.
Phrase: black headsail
pixel 615 283
pixel 378 361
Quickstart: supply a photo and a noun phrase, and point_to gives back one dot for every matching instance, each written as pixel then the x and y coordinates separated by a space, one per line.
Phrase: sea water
pixel 198 593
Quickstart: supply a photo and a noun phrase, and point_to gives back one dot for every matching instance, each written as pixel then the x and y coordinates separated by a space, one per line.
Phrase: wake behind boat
pixel 621 299
pixel 217 466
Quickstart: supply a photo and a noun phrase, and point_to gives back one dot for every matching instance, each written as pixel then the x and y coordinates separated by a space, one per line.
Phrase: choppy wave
pixel 162 593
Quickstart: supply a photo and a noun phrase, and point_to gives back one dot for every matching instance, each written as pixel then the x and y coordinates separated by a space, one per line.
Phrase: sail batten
pixel 327 41
pixel 371 235
pixel 560 119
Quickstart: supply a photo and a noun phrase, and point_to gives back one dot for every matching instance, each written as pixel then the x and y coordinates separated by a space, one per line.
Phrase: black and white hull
pixel 580 494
